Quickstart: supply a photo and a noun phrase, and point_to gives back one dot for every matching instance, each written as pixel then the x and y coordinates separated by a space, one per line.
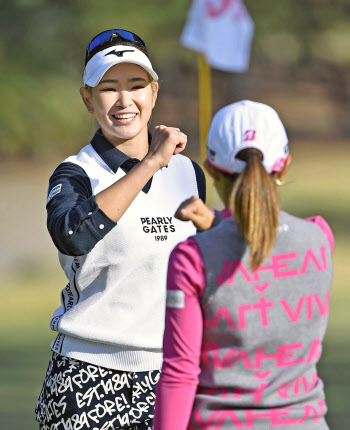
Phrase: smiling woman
pixel 122 103
pixel 107 353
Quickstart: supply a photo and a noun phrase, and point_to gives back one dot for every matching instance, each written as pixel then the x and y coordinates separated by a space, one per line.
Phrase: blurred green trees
pixel 42 45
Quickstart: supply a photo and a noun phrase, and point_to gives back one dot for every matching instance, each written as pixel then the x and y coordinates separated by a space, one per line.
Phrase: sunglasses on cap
pixel 108 38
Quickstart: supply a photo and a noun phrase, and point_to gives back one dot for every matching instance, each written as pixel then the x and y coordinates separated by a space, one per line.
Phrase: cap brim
pixel 98 65
pixel 96 77
pixel 237 167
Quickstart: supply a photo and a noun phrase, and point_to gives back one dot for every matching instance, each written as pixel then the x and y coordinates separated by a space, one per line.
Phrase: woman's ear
pixel 86 97
pixel 279 175
pixel 155 88
pixel 212 171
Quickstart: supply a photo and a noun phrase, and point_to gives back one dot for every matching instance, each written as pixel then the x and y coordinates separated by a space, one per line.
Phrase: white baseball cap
pixel 98 65
pixel 246 124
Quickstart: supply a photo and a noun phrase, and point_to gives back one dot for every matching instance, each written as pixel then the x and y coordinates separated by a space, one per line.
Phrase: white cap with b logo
pixel 246 124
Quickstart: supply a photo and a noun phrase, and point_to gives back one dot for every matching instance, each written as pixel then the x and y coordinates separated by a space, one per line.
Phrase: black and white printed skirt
pixel 81 396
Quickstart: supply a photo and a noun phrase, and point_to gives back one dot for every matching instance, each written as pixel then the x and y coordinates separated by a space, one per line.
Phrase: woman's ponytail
pixel 255 203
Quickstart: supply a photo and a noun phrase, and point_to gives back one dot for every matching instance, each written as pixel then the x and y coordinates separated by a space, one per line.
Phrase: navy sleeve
pixel 201 184
pixel 74 219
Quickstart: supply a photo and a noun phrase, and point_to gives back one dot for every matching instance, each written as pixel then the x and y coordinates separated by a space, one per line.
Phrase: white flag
pixel 222 30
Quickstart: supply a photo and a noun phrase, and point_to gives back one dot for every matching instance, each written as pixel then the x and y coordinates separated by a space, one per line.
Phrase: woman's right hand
pixel 166 142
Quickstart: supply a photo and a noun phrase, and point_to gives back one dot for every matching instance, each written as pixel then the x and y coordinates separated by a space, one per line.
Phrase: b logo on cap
pixel 249 135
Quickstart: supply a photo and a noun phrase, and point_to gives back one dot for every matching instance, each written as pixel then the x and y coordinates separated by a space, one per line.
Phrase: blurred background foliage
pixel 300 65
pixel 42 45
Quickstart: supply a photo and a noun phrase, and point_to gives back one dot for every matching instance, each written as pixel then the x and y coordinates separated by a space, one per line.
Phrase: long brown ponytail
pixel 255 204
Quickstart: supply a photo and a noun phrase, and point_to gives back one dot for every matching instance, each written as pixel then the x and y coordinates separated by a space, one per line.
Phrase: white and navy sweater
pixel 112 310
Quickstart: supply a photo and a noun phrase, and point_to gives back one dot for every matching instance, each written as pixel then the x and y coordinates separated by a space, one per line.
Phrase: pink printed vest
pixel 263 331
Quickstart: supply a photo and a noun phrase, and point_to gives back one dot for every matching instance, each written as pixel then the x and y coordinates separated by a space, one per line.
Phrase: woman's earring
pixel 279 182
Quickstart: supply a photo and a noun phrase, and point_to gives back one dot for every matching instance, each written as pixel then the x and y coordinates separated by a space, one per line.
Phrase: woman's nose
pixel 124 99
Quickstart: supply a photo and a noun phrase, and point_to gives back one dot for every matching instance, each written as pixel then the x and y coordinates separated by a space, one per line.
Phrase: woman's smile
pixel 125 118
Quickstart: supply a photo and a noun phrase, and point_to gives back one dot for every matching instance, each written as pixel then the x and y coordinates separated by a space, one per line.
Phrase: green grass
pixel 318 183
pixel 27 303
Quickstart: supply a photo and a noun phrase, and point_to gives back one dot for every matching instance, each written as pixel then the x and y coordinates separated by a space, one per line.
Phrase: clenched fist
pixel 195 210
pixel 166 142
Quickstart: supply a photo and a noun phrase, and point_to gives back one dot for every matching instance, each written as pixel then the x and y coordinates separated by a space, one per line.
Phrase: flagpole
pixel 205 103
pixel 205 113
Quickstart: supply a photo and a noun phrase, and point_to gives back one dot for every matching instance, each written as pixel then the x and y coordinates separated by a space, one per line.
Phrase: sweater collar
pixel 112 156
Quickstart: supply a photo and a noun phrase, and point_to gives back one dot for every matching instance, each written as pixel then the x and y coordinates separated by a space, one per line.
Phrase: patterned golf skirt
pixel 81 396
